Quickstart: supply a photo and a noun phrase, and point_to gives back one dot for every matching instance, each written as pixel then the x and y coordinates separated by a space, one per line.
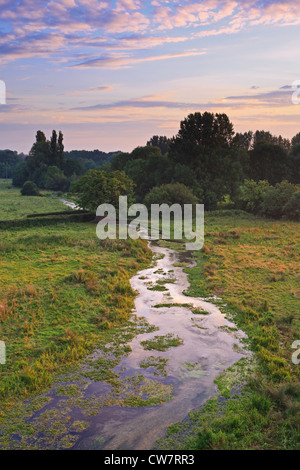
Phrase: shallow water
pixel 155 397
pixel 208 348
pixel 72 205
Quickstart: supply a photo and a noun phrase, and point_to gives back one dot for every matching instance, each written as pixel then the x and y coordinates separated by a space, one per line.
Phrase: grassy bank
pixel 63 293
pixel 61 290
pixel 14 206
pixel 252 266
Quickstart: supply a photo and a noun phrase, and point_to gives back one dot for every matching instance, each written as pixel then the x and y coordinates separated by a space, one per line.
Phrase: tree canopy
pixel 268 162
pixel 205 143
pixel 217 165
pixel 98 187
pixel 162 142
pixel 200 135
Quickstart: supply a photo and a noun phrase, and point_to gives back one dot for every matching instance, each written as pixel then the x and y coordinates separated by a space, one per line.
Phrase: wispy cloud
pixel 140 103
pixel 178 56
pixel 45 29
pixel 90 90
pixel 116 61
pixel 281 97
pixel 274 98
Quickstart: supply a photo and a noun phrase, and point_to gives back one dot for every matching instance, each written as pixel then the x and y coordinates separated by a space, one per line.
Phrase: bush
pixel 99 187
pixel 276 198
pixel 173 193
pixel 55 179
pixel 30 189
pixel 292 208
pixel 252 194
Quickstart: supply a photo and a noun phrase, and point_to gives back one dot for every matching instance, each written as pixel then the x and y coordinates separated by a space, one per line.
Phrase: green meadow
pixel 63 293
pixel 14 206
pixel 251 266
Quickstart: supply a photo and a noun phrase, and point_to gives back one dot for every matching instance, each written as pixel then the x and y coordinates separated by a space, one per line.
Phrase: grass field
pixel 63 292
pixel 252 265
pixel 14 206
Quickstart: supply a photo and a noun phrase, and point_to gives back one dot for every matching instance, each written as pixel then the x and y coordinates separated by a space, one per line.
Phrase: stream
pixel 210 344
pixel 182 345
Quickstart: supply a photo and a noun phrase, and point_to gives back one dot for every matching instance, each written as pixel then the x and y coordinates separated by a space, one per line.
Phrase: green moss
pixel 199 311
pixel 158 364
pixel 158 288
pixel 162 343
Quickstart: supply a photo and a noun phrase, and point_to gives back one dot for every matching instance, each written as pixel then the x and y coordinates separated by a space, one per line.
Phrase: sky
pixel 111 74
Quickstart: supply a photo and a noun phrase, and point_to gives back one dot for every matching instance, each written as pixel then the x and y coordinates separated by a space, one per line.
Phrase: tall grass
pixel 13 206
pixel 252 265
pixel 60 289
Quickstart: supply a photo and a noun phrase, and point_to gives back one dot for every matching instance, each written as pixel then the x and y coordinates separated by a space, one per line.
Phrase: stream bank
pixel 191 345
pixel 145 375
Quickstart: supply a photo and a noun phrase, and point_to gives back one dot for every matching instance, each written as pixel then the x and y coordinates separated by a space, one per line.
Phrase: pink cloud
pixel 116 61
pixel 90 90
pixel 122 21
pixel 91 24
pixel 123 5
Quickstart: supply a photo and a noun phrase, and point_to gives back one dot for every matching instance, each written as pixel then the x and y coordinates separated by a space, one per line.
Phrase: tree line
pixel 9 160
pixel 206 160
pixel 49 166
pixel 216 165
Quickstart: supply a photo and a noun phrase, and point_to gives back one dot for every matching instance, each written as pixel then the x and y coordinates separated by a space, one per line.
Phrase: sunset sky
pixel 111 74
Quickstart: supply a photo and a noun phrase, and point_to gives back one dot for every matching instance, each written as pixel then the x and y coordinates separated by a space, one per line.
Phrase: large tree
pixel 146 166
pixel 294 162
pixel 296 139
pixel 43 154
pixel 57 149
pixel 200 135
pixel 60 150
pixel 96 187
pixel 40 153
pixel 268 138
pixel 269 162
pixel 207 145
pixel 55 179
pixel 9 160
pixel 161 142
